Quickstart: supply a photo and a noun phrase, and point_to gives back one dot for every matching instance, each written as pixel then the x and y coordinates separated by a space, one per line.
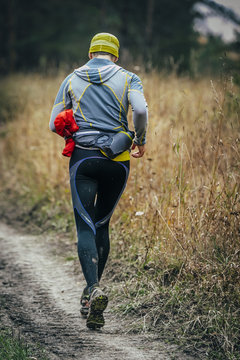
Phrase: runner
pixel 99 93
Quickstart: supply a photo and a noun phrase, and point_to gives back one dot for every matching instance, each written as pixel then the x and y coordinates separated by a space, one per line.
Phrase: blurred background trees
pixel 38 35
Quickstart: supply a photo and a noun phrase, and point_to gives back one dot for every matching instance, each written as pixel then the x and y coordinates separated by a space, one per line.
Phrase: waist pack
pixel 112 144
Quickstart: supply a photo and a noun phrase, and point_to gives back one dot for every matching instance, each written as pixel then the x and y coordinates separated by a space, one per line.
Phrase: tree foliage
pixel 157 33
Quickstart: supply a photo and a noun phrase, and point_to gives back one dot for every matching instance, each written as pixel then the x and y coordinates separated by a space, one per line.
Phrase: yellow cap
pixel 105 42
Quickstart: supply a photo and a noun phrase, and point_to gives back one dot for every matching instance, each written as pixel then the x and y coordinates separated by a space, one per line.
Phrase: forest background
pixel 38 35
pixel 174 264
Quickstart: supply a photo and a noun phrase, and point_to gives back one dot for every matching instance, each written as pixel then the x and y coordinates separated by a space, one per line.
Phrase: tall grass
pixel 176 230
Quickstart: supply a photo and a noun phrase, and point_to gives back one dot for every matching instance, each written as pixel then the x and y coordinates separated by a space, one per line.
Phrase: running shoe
pixel 84 302
pixel 98 303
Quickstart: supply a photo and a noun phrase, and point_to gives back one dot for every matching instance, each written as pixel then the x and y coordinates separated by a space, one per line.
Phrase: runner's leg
pixel 91 175
pixel 110 188
pixel 87 251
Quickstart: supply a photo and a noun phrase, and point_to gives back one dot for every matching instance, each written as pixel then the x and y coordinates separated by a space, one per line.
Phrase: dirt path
pixel 40 297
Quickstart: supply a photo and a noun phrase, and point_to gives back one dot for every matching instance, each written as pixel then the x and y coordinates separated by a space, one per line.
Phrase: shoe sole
pixel 95 318
pixel 84 311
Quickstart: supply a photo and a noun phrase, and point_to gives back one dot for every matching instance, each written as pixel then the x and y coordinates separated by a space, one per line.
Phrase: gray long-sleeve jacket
pixel 99 94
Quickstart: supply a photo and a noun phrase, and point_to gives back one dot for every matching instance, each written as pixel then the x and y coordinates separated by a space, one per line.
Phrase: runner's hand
pixel 140 152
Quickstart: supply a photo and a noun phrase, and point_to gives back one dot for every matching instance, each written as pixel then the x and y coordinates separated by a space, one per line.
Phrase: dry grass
pixel 176 229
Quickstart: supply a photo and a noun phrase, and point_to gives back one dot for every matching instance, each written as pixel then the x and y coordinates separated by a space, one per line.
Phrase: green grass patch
pixel 70 258
pixel 13 347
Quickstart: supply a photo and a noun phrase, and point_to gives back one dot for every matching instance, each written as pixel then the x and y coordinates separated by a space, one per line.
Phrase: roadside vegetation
pixel 175 258
pixel 13 347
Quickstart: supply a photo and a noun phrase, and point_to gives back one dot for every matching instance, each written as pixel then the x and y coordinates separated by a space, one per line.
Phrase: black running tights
pixel 96 185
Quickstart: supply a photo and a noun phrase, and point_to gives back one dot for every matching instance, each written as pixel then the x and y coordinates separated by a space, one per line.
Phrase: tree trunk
pixel 11 25
pixel 148 33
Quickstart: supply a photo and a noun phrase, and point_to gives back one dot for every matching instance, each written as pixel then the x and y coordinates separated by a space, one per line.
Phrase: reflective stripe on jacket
pixel 99 93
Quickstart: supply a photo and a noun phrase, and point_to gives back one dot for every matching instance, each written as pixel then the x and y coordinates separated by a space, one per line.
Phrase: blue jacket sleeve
pixel 140 110
pixel 62 102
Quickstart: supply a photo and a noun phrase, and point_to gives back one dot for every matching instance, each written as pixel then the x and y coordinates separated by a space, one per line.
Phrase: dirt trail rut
pixel 40 297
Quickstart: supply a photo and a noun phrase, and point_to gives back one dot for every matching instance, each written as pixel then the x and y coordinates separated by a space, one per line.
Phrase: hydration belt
pixel 112 144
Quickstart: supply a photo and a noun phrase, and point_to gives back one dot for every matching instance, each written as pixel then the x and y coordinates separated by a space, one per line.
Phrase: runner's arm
pixel 62 102
pixel 140 110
